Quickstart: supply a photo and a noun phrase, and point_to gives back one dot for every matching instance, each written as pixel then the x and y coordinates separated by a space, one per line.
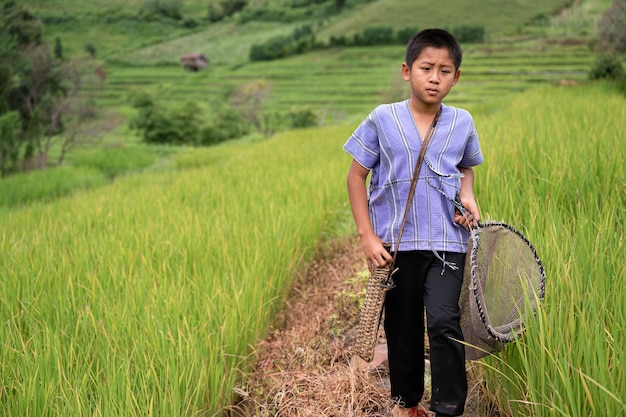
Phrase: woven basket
pixel 369 319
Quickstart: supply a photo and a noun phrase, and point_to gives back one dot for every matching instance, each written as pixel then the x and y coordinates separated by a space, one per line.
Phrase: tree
pixel 22 26
pixel 340 5
pixel 230 7
pixel 91 50
pixel 158 124
pixel 249 99
pixel 612 29
pixel 34 86
pixel 58 49
pixel 9 142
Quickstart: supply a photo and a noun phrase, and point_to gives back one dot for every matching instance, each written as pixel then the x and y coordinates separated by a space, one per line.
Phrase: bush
pixel 338 41
pixel 403 36
pixel 165 8
pixel 190 23
pixel 607 67
pixel 374 36
pixel 469 34
pixel 230 7
pixel 301 40
pixel 159 125
pixel 214 14
pixel 229 124
pixel 301 118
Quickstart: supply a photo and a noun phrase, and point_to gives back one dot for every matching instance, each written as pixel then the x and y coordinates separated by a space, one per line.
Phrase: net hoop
pixel 477 289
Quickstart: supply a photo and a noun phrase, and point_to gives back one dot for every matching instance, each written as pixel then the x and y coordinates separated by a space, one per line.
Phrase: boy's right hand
pixel 375 252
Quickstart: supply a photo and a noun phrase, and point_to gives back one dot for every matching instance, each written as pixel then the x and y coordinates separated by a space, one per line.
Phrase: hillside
pixel 119 29
pixel 135 53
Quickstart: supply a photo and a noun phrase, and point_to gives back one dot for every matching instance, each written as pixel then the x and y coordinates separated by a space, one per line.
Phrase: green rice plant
pixel 146 296
pixel 113 162
pixel 555 168
pixel 46 185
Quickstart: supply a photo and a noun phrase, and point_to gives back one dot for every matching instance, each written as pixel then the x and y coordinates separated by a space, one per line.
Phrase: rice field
pixel 147 296
pixel 339 83
pixel 555 167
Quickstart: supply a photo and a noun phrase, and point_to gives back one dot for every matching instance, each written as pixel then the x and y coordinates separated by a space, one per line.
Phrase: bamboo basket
pixel 378 284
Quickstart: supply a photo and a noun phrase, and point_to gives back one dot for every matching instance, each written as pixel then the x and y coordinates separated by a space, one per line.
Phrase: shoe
pixel 408 412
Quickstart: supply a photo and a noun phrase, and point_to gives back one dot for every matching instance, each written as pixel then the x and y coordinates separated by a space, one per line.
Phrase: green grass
pixel 555 168
pixel 145 296
pixel 46 185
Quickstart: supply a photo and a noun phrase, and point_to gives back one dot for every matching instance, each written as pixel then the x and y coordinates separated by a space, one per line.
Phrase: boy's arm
pixel 467 199
pixel 373 249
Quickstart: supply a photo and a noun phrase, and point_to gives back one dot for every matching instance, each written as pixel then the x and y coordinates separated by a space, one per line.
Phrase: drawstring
pixel 451 265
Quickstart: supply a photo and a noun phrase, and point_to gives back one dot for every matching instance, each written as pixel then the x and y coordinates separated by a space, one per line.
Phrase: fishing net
pixel 503 282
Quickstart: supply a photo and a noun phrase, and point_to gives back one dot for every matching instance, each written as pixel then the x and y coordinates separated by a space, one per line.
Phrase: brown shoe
pixel 408 412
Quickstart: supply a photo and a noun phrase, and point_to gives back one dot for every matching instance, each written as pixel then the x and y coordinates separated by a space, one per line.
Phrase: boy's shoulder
pixel 458 115
pixel 457 110
pixel 389 106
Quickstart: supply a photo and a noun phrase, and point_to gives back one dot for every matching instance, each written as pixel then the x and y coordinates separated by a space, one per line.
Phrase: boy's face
pixel 431 76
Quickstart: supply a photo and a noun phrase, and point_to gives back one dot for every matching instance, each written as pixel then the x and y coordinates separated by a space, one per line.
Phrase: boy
pixel 431 255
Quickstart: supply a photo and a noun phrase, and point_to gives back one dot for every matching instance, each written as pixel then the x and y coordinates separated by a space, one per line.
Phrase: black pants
pixel 423 281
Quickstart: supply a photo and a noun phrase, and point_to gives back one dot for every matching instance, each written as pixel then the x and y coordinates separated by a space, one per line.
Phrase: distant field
pixel 337 84
pixel 340 83
pixel 112 28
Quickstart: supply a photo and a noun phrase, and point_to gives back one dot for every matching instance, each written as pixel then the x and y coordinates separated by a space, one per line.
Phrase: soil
pixel 306 366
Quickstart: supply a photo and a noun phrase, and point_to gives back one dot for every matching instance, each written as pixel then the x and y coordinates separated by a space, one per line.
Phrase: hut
pixel 193 62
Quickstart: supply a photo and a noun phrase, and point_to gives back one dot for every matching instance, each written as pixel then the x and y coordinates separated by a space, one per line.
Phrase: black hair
pixel 436 38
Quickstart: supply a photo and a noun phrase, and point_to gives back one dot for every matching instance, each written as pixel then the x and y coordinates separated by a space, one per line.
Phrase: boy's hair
pixel 436 38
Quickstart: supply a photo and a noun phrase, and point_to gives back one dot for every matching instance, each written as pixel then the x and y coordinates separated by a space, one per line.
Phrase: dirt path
pixel 306 366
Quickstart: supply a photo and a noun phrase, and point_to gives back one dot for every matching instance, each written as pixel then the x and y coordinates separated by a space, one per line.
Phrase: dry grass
pixel 306 365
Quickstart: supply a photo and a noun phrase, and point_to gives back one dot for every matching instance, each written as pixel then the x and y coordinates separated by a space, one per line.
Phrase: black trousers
pixel 423 281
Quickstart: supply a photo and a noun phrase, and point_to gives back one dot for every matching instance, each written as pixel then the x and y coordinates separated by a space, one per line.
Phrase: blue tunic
pixel 388 143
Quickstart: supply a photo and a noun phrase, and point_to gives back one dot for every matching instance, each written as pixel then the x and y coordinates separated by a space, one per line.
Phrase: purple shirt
pixel 387 143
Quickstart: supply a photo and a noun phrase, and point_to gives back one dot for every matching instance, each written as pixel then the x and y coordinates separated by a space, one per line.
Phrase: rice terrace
pixel 178 241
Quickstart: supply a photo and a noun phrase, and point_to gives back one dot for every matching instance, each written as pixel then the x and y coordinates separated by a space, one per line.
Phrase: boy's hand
pixel 375 252
pixel 471 218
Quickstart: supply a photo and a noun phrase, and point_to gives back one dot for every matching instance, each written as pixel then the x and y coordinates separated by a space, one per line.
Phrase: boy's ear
pixel 406 72
pixel 456 77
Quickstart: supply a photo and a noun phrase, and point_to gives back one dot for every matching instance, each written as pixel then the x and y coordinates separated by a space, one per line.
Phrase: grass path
pixel 306 365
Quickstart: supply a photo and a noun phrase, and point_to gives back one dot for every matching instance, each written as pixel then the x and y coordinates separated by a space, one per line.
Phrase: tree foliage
pixel 611 37
pixel 158 124
pixel 34 86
